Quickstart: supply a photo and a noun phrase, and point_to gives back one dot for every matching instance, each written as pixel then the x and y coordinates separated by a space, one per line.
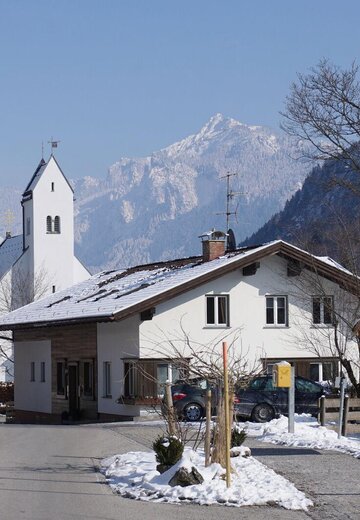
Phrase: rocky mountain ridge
pixel 155 207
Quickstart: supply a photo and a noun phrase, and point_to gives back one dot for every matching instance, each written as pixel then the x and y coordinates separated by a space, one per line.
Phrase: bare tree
pixel 337 336
pixel 17 290
pixel 323 109
pixel 198 360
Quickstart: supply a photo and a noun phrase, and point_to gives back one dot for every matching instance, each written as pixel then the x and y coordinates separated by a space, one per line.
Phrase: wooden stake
pixel 208 426
pixel 170 409
pixel 227 418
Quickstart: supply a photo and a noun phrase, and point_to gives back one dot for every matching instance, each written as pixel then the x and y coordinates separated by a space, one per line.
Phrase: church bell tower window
pixel 48 224
pixel 57 224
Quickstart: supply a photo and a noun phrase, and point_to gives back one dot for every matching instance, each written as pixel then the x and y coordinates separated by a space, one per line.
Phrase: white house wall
pixel 116 342
pixel 247 294
pixel 32 395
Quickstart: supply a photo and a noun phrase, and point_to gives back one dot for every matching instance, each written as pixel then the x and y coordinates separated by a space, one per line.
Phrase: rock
pixel 240 451
pixel 184 478
pixel 161 468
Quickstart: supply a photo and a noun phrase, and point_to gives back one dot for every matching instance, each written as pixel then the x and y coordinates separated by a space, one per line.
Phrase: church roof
pixel 10 250
pixel 115 295
pixel 41 168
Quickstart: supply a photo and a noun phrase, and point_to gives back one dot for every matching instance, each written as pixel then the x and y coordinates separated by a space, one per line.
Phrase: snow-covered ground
pixel 308 433
pixel 134 475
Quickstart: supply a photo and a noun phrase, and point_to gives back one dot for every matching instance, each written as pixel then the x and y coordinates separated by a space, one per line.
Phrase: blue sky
pixel 117 78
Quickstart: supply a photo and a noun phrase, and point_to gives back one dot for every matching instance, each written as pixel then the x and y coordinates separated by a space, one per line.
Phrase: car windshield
pixel 306 386
pixel 258 383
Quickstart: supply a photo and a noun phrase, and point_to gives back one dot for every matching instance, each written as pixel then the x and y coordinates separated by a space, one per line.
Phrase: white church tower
pixel 41 261
pixel 48 230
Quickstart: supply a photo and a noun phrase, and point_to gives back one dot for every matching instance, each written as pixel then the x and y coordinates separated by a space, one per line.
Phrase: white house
pixel 98 349
pixel 41 261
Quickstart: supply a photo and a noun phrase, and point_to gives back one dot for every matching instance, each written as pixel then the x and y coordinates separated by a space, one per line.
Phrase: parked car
pixel 261 401
pixel 189 398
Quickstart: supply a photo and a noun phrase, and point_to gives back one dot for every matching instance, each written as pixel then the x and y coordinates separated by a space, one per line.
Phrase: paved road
pixel 49 473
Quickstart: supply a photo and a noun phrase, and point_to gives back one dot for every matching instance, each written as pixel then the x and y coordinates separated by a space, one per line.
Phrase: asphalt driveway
pixel 50 473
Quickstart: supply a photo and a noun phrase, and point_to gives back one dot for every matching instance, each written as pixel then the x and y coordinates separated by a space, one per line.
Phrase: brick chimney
pixel 213 245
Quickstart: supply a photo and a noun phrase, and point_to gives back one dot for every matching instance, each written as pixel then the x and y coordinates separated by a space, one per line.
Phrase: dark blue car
pixel 260 401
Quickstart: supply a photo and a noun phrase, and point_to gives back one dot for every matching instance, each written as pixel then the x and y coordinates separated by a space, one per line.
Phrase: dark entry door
pixel 73 392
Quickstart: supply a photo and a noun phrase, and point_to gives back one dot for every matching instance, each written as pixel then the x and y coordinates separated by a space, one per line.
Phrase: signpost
pixel 284 377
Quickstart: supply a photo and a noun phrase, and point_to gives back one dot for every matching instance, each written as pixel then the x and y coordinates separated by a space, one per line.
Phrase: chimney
pixel 213 245
pixel 8 234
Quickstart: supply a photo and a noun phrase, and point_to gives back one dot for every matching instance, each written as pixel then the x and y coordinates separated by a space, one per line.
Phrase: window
pixel 48 224
pixel 53 186
pixel 53 225
pixel 32 371
pixel 60 378
pixel 165 372
pixel 88 379
pixel 57 225
pixel 322 371
pixel 53 288
pixel 322 309
pixel 217 310
pixel 107 379
pixel 276 310
pixel 28 226
pixel 42 371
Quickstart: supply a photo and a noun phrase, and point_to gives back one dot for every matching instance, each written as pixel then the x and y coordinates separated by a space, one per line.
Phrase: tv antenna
pixel 230 194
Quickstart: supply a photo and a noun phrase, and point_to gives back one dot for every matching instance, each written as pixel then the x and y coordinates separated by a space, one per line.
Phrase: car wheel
pixel 193 412
pixel 262 413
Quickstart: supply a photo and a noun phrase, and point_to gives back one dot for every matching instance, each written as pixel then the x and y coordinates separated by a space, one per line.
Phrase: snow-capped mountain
pixel 154 208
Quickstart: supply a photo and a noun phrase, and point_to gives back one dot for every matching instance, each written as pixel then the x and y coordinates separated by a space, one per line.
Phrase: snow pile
pixel 134 475
pixel 308 434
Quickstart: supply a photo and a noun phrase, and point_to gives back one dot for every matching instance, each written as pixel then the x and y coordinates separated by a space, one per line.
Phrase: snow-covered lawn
pixel 308 434
pixel 134 475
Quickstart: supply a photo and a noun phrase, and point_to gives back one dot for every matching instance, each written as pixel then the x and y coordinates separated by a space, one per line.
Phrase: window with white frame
pixel 276 310
pixel 107 379
pixel 323 310
pixel 217 310
pixel 323 371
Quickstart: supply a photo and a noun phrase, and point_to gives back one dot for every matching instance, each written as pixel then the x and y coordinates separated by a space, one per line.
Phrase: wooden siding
pixel 70 344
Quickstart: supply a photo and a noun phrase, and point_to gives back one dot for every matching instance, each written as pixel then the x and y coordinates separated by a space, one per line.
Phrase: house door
pixel 73 392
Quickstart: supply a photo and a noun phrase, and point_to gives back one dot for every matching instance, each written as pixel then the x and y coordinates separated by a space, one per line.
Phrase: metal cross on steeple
pixel 53 143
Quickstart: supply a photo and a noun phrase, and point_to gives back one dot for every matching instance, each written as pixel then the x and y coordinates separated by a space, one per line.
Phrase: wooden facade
pixel 75 348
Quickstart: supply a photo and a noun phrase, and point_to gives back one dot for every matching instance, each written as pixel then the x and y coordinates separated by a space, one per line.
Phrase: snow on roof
pixel 10 250
pixel 37 174
pixel 108 293
pixel 332 262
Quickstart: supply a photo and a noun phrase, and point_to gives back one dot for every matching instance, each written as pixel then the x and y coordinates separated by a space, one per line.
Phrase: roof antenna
pixel 42 150
pixel 54 144
pixel 230 194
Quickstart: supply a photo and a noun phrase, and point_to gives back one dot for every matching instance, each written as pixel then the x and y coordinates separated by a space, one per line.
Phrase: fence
pixel 330 411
